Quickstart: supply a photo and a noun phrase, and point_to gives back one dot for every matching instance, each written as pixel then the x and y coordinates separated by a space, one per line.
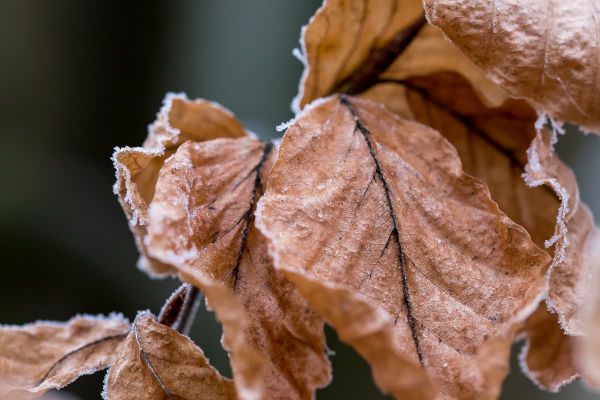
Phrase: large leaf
pixel 179 120
pixel 201 221
pixel 493 145
pixel 542 50
pixel 51 355
pixel 408 72
pixel 156 362
pixel 380 207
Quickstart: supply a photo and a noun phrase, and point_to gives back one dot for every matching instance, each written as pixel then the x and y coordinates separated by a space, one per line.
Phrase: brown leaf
pixel 380 207
pixel 50 355
pixel 201 222
pixel 350 45
pixel 542 50
pixel 157 362
pixel 491 141
pixel 548 357
pixel 568 273
pixel 447 103
pixel 179 120
pixel 479 133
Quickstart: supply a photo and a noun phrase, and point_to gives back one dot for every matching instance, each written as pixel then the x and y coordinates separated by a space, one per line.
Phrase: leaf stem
pixel 180 308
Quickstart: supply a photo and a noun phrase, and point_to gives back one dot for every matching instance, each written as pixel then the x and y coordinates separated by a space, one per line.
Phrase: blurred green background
pixel 80 77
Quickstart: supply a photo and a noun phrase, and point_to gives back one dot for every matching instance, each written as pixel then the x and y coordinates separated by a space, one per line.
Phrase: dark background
pixel 80 77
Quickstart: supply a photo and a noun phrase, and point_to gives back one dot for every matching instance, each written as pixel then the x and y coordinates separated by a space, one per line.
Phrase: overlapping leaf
pixel 156 362
pixel 490 132
pixel 349 45
pixel 137 168
pixel 380 207
pixel 201 221
pixel 479 134
pixel 50 355
pixel 493 145
pixel 546 51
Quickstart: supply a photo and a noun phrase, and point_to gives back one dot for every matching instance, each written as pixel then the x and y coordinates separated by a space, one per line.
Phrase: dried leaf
pixel 448 104
pixel 477 128
pixel 548 357
pixel 385 211
pixel 348 46
pixel 157 362
pixel 179 120
pixel 542 50
pixel 201 221
pixel 50 355
pixel 567 274
pixel 479 133
pixel 491 142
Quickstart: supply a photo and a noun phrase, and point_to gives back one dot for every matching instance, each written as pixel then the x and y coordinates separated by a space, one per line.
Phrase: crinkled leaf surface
pixel 201 221
pixel 492 144
pixel 349 45
pixel 380 206
pixel 51 355
pixel 476 125
pixel 480 135
pixel 179 120
pixel 156 362
pixel 544 50
pixel 568 274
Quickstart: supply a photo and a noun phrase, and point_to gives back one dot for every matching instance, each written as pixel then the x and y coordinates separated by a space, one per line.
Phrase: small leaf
pixel 542 50
pixel 51 355
pixel 179 120
pixel 201 221
pixel 361 200
pixel 157 362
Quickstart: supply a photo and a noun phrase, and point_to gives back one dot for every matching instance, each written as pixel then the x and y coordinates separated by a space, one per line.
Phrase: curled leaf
pixel 157 362
pixel 179 120
pixel 548 358
pixel 568 274
pixel 348 46
pixel 542 50
pixel 386 212
pixel 201 221
pixel 50 355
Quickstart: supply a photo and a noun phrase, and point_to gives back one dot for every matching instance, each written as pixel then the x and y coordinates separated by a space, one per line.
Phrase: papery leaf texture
pixel 546 51
pixel 201 220
pixel 350 45
pixel 380 207
pixel 50 355
pixel 411 69
pixel 179 120
pixel 157 362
